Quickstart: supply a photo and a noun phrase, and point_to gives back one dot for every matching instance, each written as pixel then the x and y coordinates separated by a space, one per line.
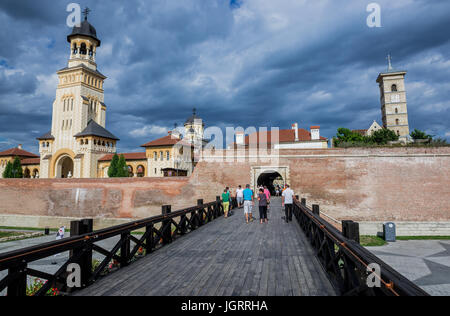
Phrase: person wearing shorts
pixel 240 196
pixel 226 202
pixel 248 204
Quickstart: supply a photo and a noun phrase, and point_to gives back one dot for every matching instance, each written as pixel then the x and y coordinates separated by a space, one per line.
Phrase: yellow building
pixel 30 162
pixel 169 156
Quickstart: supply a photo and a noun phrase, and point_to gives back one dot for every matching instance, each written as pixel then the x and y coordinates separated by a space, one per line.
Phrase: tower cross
pixel 86 12
pixel 389 59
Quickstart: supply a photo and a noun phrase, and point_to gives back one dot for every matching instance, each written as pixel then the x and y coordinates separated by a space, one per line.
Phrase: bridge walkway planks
pixel 225 258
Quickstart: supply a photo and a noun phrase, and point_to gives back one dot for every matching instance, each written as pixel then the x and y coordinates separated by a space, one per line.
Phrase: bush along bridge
pixel 176 253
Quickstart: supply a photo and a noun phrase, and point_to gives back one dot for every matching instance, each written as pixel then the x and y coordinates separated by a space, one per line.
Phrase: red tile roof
pixel 128 156
pixel 168 140
pixel 17 152
pixel 361 132
pixel 30 161
pixel 285 136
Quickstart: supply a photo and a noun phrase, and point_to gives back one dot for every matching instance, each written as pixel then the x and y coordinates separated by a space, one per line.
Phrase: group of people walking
pixel 245 199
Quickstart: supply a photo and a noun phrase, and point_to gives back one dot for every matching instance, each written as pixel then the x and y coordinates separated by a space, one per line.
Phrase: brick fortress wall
pixel 392 184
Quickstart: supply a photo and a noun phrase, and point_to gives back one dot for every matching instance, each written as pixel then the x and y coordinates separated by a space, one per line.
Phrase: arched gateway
pixel 269 176
pixel 64 167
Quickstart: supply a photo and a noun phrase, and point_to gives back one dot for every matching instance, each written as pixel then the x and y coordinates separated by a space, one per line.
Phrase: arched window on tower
pixel 394 88
pixel 75 48
pixel 83 50
pixel 396 111
pixel 397 122
pixel 91 51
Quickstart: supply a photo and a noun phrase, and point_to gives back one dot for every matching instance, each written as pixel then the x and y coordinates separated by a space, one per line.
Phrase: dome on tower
pixel 85 29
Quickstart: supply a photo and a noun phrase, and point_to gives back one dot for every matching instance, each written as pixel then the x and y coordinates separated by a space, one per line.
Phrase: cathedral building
pixel 78 137
pixel 79 145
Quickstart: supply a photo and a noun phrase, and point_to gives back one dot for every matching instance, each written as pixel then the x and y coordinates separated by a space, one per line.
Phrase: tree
pixel 383 136
pixel 112 171
pixel 418 134
pixel 122 168
pixel 17 171
pixel 7 173
pixel 344 135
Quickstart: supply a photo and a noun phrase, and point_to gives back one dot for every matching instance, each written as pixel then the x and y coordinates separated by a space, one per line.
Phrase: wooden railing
pixel 348 264
pixel 158 232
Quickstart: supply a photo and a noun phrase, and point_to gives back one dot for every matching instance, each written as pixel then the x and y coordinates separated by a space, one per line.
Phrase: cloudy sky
pixel 239 62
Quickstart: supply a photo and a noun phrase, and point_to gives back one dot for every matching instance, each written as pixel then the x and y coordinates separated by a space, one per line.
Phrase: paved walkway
pixel 226 257
pixel 424 262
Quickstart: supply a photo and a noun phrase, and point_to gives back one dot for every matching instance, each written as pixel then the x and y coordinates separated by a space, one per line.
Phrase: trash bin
pixel 389 232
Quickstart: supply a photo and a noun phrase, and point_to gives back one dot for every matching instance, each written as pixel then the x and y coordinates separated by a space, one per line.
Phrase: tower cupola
pixel 83 43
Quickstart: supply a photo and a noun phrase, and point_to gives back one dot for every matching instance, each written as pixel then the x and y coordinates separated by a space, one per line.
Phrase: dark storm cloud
pixel 239 62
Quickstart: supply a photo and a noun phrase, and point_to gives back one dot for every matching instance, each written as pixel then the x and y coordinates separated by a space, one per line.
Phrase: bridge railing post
pixel 219 206
pixel 303 202
pixel 78 228
pixel 125 249
pixel 150 241
pixel 167 225
pixel 316 209
pixel 350 230
pixel 200 213
pixel 19 286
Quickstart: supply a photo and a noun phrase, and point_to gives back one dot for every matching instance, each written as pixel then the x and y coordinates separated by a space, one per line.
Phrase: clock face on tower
pixel 395 98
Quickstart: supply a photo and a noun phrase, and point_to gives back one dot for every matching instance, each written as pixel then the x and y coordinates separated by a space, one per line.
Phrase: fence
pixel 159 231
pixel 347 263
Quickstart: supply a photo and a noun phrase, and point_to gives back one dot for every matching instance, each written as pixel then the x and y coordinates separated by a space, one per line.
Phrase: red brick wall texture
pixel 398 184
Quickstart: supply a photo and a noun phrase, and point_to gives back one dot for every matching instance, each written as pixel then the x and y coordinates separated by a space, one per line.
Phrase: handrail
pixel 346 262
pixel 81 247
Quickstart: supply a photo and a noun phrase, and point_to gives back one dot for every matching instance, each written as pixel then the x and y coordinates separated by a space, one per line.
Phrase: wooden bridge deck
pixel 225 258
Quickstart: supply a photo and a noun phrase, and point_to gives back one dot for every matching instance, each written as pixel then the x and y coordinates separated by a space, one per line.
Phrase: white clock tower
pixel 393 101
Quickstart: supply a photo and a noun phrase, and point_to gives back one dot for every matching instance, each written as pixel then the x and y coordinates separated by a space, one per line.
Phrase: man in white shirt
pixel 287 201
pixel 240 196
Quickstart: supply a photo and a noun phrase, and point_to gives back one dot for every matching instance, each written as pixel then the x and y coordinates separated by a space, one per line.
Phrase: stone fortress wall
pixel 366 185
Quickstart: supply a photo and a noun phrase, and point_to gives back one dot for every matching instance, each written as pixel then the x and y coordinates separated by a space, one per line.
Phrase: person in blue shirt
pixel 248 204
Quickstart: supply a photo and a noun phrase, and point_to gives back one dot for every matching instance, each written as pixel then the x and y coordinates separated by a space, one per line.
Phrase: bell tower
pixel 78 135
pixel 394 108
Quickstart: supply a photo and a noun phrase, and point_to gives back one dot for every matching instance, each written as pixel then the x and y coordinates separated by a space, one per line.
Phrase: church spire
pixel 389 59
pixel 86 12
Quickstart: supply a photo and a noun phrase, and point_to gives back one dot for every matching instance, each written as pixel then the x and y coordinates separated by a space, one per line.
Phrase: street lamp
pixel 177 165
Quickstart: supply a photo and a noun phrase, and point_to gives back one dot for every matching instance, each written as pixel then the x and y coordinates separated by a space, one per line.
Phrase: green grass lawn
pixel 372 241
pixel 375 241
pixel 9 234
pixel 423 237
pixel 29 228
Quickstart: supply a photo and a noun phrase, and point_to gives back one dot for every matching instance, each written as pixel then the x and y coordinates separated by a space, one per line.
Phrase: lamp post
pixel 177 164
